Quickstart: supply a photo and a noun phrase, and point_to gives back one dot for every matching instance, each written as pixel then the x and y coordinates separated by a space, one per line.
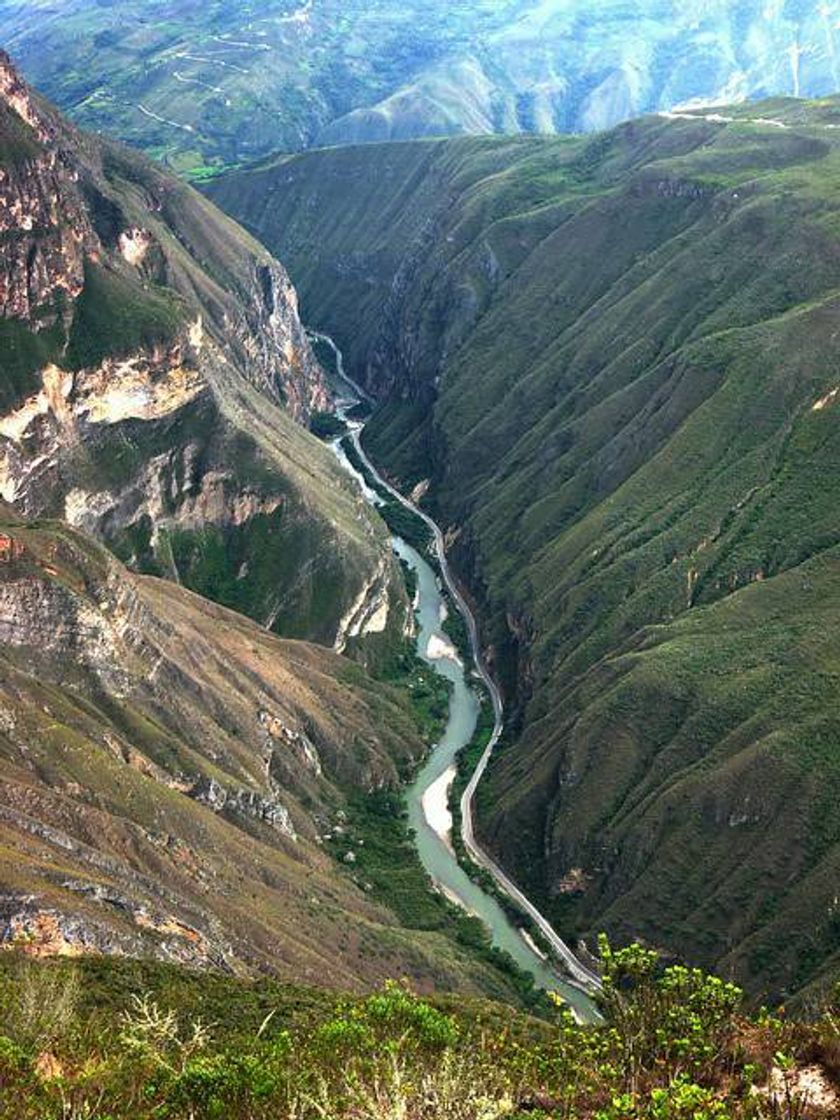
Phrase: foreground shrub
pixel 674 1045
pixel 678 1018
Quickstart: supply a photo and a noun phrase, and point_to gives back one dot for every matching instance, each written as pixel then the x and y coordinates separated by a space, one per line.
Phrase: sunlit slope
pixel 176 782
pixel 616 360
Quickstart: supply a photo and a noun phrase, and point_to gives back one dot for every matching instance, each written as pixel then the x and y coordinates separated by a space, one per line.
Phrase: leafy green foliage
pixel 679 1013
pixel 193 1047
pixel 387 866
pixel 326 425
pixel 387 862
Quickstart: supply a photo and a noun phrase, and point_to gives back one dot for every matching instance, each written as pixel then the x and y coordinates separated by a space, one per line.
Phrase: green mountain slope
pixel 156 382
pixel 176 780
pixel 616 360
pixel 204 86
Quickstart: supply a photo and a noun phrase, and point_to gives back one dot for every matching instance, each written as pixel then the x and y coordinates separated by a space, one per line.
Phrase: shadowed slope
pixel 615 359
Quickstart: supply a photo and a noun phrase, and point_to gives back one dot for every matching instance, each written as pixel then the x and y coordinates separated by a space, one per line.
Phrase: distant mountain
pixel 616 360
pixel 208 85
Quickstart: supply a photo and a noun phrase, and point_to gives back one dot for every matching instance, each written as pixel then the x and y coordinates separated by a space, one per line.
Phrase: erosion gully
pixel 428 796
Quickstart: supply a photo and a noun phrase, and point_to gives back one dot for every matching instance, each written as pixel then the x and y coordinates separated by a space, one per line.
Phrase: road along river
pixel 427 797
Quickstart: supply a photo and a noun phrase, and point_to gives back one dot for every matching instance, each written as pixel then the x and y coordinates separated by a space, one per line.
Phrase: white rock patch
pixel 439 648
pixel 134 244
pixel 435 804
pixel 819 405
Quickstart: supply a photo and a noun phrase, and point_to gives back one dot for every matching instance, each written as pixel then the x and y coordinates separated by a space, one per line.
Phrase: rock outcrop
pixel 157 382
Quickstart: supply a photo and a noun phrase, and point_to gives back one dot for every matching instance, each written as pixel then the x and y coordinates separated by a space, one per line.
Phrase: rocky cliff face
pixel 158 378
pixel 61 196
pixel 168 771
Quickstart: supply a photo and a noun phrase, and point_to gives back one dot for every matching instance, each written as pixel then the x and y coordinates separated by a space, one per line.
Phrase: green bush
pixel 677 1014
pixel 673 1046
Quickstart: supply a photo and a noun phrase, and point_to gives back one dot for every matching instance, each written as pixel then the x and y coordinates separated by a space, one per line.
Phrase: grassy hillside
pixel 207 87
pixel 615 359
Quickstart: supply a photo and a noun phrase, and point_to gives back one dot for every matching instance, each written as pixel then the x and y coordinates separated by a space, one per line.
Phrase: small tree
pixel 672 1019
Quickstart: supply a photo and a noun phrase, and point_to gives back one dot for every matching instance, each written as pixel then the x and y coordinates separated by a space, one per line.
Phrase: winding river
pixel 427 797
